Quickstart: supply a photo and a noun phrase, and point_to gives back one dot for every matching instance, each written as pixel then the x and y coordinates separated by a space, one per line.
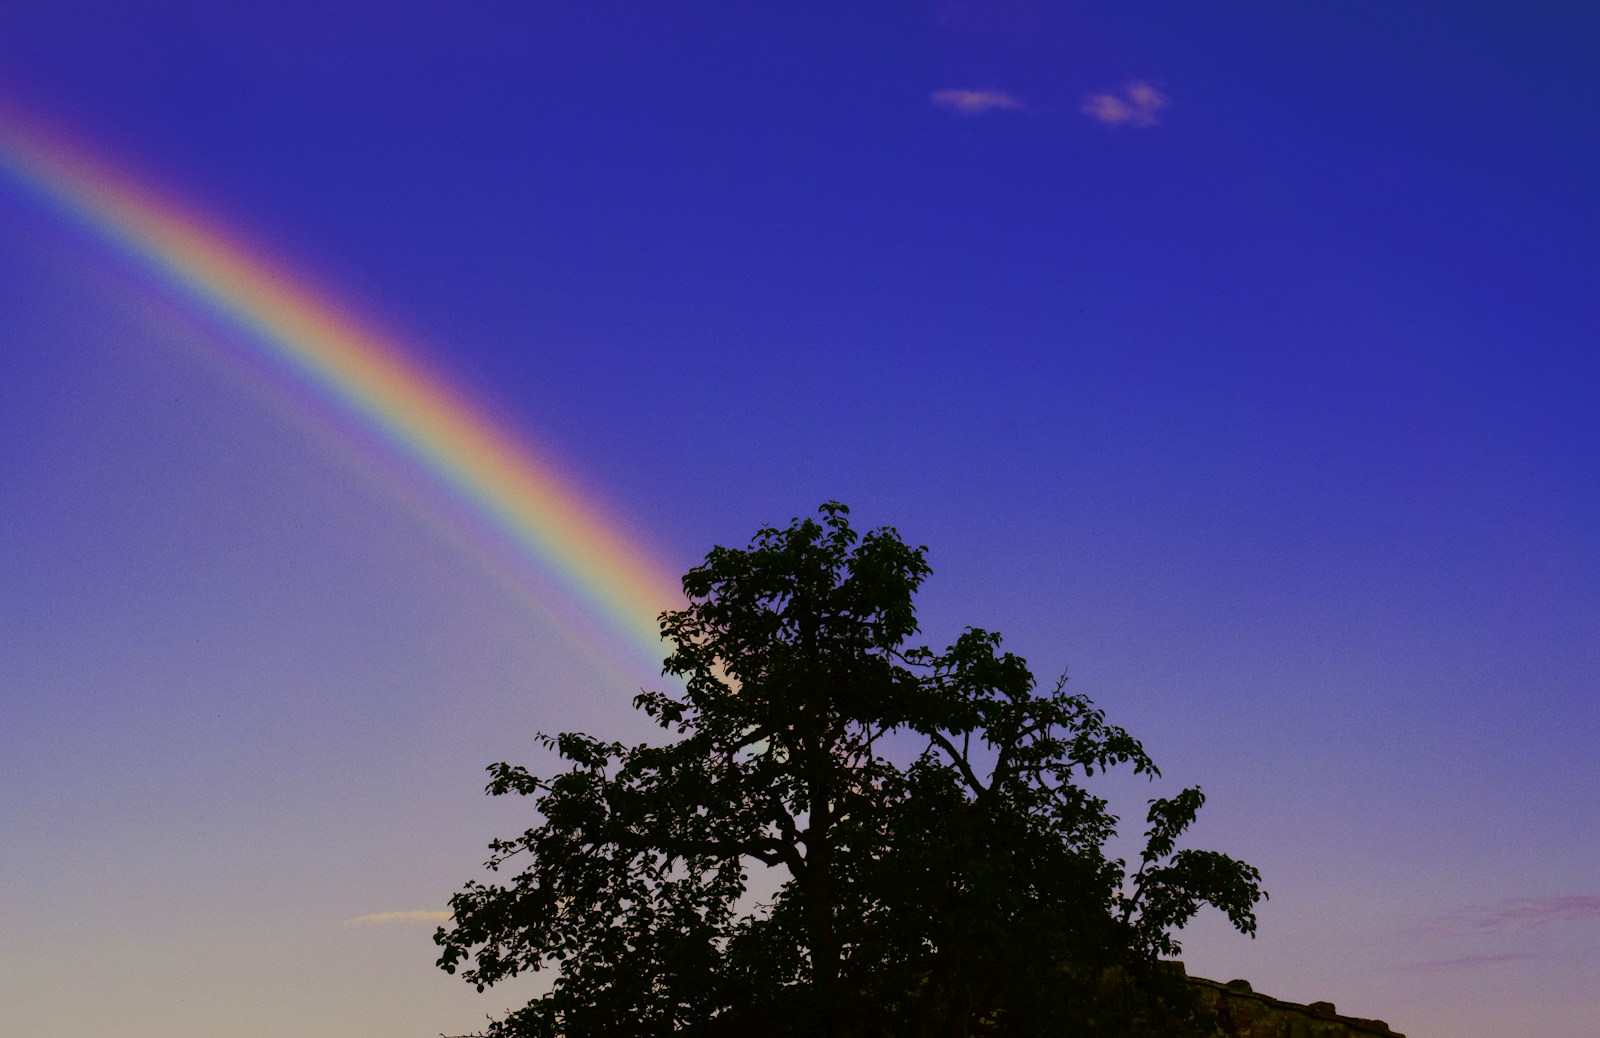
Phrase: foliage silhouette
pixel 943 871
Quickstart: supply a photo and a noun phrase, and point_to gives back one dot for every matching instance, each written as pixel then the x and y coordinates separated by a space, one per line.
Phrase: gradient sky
pixel 1244 362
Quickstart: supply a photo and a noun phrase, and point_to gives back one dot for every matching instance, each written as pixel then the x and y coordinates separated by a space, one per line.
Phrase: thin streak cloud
pixel 1466 962
pixel 1135 105
pixel 1523 913
pixel 382 918
pixel 976 102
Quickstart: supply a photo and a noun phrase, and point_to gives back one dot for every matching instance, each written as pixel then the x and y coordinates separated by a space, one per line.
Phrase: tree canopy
pixel 916 821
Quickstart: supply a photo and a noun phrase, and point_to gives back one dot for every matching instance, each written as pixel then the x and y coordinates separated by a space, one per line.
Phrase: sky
pixel 1241 363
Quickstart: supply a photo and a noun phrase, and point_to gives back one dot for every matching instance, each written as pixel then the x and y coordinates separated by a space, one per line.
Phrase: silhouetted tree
pixel 942 870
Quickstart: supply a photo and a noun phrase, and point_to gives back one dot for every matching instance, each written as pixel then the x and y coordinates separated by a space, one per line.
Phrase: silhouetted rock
pixel 1244 1013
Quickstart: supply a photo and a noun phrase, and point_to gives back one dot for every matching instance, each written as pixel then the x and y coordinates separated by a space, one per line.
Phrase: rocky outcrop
pixel 1243 1013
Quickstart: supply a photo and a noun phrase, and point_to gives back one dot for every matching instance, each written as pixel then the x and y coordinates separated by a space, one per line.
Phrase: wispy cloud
pixel 1136 104
pixel 1523 913
pixel 1466 962
pixel 976 102
pixel 380 918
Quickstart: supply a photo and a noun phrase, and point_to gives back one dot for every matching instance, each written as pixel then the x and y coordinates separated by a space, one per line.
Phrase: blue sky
pixel 1243 362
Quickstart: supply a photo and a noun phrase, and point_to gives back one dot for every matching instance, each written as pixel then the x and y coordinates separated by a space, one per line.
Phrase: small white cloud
pixel 1135 105
pixel 380 918
pixel 975 102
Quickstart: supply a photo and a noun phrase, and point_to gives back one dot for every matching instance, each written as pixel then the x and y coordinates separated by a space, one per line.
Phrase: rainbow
pixel 369 379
